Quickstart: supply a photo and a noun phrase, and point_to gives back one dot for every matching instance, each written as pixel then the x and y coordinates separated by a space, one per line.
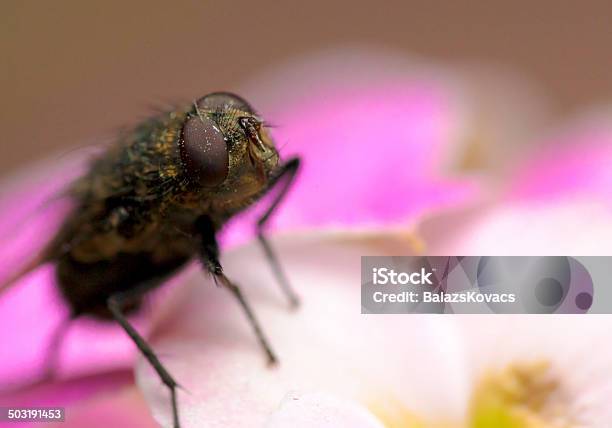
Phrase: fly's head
pixel 225 149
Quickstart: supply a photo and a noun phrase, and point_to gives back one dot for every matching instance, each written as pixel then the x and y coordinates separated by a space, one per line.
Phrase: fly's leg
pixel 210 259
pixel 116 304
pixel 53 350
pixel 52 353
pixel 285 175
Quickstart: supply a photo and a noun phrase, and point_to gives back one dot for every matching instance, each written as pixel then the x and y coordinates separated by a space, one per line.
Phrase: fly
pixel 154 201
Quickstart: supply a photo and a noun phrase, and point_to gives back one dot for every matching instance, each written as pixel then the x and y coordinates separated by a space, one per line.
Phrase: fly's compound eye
pixel 222 101
pixel 204 151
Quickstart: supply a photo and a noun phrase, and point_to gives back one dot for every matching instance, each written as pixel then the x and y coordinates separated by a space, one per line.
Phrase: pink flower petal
pixel 63 393
pixel 574 163
pixel 557 202
pixel 122 408
pixel 374 142
pixel 102 400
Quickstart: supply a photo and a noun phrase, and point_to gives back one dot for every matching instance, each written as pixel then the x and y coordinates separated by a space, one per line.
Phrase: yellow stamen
pixel 393 414
pixel 520 396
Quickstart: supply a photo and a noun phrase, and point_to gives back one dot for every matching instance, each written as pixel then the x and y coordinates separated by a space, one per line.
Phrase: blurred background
pixel 72 70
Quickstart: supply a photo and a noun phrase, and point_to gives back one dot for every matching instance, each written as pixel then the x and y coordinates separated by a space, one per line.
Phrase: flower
pixel 377 370
pixel 325 347
pixel 398 159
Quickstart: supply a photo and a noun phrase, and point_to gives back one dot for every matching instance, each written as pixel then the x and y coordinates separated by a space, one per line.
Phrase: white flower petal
pixel 575 347
pixel 576 226
pixel 326 346
pixel 322 411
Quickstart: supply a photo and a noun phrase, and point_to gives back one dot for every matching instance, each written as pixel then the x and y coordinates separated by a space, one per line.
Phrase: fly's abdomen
pixel 87 286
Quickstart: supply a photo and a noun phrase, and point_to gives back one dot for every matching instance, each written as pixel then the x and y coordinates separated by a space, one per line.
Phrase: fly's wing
pixel 121 195
pixel 33 204
pixel 137 167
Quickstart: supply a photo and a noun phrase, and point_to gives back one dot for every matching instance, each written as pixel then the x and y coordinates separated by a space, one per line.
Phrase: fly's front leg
pixel 285 175
pixel 116 304
pixel 209 254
